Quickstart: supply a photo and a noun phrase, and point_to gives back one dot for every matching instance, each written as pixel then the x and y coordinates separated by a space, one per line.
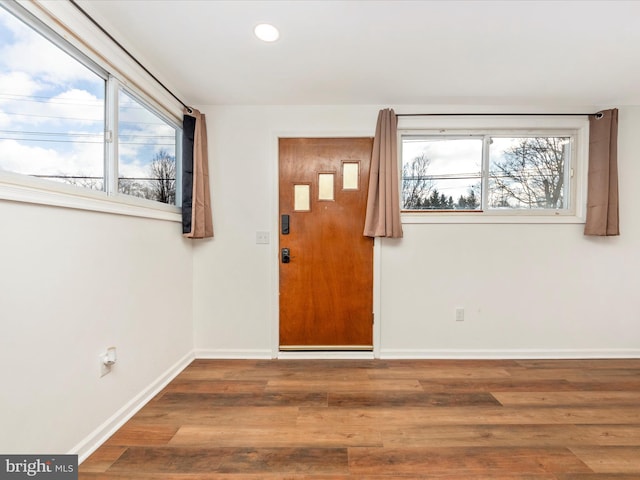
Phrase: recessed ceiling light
pixel 266 32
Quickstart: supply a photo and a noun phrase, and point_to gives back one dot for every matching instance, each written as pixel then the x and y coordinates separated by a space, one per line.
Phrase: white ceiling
pixel 385 52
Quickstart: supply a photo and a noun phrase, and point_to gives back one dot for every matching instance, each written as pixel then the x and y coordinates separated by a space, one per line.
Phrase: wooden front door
pixel 326 264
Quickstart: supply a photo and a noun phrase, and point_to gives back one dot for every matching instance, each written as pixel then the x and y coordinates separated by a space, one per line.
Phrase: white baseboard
pixel 415 354
pixel 101 434
pixel 268 354
pixel 233 354
pixel 390 354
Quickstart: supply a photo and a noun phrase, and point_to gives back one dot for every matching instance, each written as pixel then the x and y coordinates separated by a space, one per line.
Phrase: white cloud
pixel 457 156
pixel 36 160
pixel 31 53
pixel 14 85
pixel 17 83
pixel 78 105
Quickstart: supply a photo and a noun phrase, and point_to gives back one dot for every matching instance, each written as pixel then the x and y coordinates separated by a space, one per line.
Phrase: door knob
pixel 285 255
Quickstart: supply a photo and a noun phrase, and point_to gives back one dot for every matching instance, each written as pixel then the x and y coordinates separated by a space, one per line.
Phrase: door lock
pixel 285 224
pixel 285 255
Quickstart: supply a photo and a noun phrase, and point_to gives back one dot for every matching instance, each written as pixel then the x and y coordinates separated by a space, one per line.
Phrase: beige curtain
pixel 383 201
pixel 602 193
pixel 197 221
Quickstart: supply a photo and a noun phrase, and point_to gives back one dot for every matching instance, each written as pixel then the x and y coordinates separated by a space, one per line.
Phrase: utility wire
pixel 92 20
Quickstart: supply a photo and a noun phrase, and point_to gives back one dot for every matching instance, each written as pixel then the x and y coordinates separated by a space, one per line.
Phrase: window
pixel 51 109
pixel 440 173
pixel 55 107
pixel 146 152
pixel 529 172
pixel 493 172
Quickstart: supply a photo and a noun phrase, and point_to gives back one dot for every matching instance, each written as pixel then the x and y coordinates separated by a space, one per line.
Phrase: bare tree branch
pixel 530 175
pixel 416 184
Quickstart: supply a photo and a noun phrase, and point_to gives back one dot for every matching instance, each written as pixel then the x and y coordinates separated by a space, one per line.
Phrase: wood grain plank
pixel 471 416
pixel 286 460
pixel 215 386
pixel 581 364
pixel 574 374
pixel 421 364
pixel 382 399
pixel 135 434
pixel 596 476
pixel 443 372
pixel 464 461
pixel 342 385
pixel 229 416
pixel 334 365
pixel 610 459
pixel 286 436
pixel 497 385
pixel 169 460
pixel 510 435
pixel 232 460
pixel 567 398
pixel 318 374
pixel 617 384
pixel 234 399
pixel 101 459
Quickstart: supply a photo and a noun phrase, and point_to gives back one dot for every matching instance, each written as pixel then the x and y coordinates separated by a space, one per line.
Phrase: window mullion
pixel 486 145
pixel 111 137
pixel 568 174
pixel 178 168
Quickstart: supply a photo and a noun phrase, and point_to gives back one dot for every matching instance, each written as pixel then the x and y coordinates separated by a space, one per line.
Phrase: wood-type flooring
pixel 384 419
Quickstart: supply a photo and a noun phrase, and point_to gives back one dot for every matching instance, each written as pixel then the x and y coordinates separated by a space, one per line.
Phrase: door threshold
pixel 326 355
pixel 326 348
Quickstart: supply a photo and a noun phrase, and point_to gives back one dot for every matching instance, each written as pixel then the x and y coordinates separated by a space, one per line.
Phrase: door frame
pixel 274 253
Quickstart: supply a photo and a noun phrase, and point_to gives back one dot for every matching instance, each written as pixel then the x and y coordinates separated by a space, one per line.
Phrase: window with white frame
pixel 55 107
pixel 147 150
pixel 492 172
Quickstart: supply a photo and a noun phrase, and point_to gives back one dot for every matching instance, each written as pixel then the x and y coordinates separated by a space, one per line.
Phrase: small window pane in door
pixel 350 175
pixel 301 198
pixel 325 186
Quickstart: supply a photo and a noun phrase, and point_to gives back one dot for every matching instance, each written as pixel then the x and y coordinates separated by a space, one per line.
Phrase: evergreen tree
pixel 472 201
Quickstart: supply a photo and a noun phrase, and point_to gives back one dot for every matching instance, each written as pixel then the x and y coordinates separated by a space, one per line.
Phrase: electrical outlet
pixel 107 360
pixel 459 314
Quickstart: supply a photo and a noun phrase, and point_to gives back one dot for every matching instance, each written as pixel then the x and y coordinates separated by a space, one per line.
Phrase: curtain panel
pixel 602 190
pixel 383 201
pixel 197 221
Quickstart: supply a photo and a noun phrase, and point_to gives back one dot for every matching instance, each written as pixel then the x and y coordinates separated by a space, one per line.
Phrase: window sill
pixel 488 218
pixel 16 188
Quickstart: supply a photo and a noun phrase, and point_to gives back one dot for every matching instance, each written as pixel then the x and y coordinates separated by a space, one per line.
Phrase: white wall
pixel 528 290
pixel 73 283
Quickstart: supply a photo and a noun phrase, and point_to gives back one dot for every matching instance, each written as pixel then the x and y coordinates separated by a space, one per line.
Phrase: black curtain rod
pixel 92 20
pixel 597 114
